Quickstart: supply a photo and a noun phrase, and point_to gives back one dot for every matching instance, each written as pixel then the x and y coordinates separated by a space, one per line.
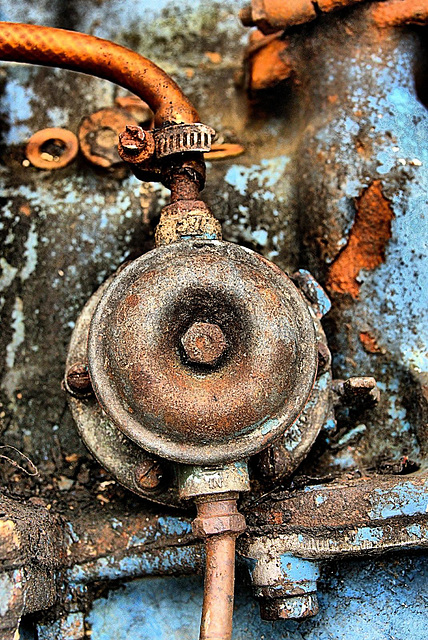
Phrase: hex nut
pixel 204 343
pixel 214 525
pixel 149 474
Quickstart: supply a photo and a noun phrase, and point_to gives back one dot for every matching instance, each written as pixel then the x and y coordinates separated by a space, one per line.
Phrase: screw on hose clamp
pixel 179 138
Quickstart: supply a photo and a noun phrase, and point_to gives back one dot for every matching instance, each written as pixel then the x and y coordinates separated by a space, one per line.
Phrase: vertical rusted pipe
pixel 217 610
pixel 219 522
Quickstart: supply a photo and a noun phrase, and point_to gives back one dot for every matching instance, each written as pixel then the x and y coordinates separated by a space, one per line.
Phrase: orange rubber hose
pixel 80 52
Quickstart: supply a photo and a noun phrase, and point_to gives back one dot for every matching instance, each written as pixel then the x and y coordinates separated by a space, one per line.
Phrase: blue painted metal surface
pixel 364 600
pixel 82 231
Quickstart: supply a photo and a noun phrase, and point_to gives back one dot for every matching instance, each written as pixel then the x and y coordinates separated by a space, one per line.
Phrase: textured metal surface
pixel 176 139
pixel 186 219
pixel 182 411
pixel 122 457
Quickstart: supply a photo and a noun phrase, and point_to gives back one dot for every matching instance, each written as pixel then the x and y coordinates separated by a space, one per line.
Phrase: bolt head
pixel 149 474
pixel 204 343
pixel 132 139
pixel 77 380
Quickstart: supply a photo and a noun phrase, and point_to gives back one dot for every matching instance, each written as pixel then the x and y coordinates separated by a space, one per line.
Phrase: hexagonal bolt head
pixel 204 343
pixel 149 474
pixel 77 380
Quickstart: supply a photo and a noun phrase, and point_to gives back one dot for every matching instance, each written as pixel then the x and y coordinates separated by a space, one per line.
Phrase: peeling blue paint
pixel 367 535
pixel 405 499
pixel 368 600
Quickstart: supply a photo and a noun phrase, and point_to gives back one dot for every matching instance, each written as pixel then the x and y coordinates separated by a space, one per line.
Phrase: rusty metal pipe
pixel 81 52
pixel 217 609
pixel 219 522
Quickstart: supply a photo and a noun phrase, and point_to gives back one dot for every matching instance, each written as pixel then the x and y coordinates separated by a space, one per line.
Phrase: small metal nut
pixel 149 474
pixel 294 608
pixel 204 343
pixel 203 527
pixel 77 380
pixel 361 390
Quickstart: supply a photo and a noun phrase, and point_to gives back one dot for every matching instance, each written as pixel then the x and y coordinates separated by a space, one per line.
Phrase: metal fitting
pixel 195 481
pixel 218 517
pixel 358 392
pixel 179 138
pixel 186 219
pixel 285 584
pixel 77 380
pixel 190 415
pixel 204 343
pixel 289 608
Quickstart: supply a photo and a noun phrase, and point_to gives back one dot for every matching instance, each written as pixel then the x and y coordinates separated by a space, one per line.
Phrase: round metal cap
pixel 188 411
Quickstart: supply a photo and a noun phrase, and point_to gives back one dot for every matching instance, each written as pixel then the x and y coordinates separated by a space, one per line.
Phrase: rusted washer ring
pixel 52 134
pixel 185 413
pixel 105 124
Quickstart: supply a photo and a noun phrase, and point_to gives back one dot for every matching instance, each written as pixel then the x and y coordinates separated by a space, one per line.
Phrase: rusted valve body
pixel 166 403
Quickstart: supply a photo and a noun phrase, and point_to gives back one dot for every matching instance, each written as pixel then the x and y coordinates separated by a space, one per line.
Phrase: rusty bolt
pixel 77 380
pixel 136 146
pixel 361 390
pixel 149 474
pixel 133 139
pixel 204 343
pixel 357 392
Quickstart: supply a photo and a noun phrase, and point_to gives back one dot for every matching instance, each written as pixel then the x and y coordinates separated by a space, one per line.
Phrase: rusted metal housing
pixel 184 411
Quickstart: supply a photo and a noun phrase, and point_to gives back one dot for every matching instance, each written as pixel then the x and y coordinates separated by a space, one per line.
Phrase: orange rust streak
pixel 398 12
pixel 80 52
pixel 368 238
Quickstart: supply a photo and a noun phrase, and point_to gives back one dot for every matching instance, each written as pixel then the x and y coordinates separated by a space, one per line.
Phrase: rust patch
pixel 398 12
pixel 25 210
pixel 269 61
pixel 369 342
pixel 368 238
